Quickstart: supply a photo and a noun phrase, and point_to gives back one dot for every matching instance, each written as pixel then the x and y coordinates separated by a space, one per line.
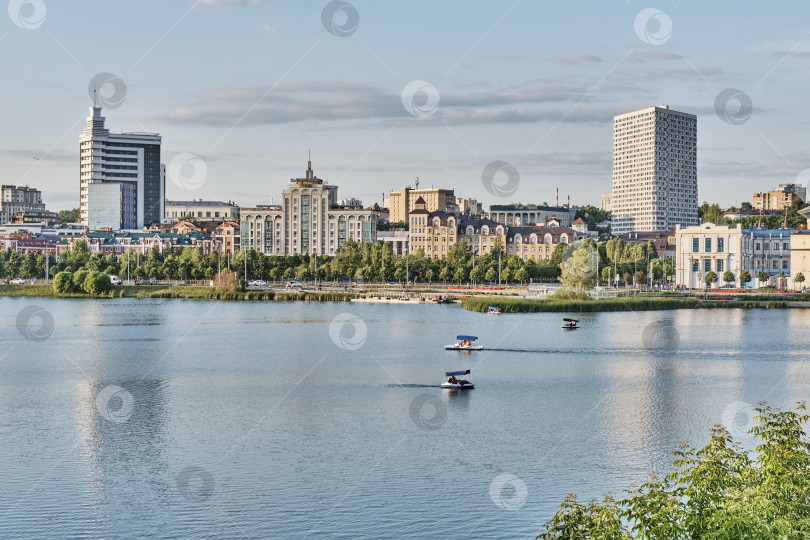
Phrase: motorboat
pixel 465 343
pixel 452 383
pixel 494 310
pixel 570 324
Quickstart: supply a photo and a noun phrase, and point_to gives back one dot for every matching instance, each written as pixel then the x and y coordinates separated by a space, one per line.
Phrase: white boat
pixel 494 310
pixel 452 383
pixel 465 343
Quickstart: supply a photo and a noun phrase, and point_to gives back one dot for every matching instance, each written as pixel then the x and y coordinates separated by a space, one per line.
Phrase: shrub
pixel 96 283
pixel 63 282
pixel 78 279
pixel 226 281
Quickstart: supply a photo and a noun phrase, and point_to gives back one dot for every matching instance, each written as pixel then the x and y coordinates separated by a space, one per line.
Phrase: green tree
pixel 78 279
pixel 491 275
pixel 63 282
pixel 70 216
pixel 710 278
pixel 96 283
pixel 746 206
pixel 763 278
pixel 745 276
pixel 579 267
pixel 728 276
pixel 799 278
pixel 717 492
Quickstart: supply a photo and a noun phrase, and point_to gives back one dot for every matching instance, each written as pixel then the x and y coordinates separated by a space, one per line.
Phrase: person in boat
pixel 465 343
pixel 452 380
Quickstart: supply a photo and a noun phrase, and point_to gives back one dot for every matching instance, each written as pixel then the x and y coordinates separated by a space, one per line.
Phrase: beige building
pixel 435 233
pixel 14 199
pixel 538 243
pixel 309 220
pixel 469 207
pixel 482 234
pixel 654 170
pixel 401 203
pixel 800 258
pixel 200 209
pixel 779 198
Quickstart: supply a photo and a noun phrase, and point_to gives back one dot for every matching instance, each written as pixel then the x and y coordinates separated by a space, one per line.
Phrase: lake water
pixel 128 418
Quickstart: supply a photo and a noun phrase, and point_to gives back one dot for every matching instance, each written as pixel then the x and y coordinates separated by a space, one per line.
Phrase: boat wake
pixel 412 386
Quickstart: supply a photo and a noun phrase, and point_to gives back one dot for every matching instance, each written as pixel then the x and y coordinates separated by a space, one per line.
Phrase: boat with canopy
pixel 453 383
pixel 465 343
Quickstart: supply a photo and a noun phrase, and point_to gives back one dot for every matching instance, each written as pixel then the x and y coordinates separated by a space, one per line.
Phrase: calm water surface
pixel 192 419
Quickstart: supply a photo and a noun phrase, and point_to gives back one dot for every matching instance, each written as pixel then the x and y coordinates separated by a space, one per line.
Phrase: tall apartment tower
pixel 654 170
pixel 121 181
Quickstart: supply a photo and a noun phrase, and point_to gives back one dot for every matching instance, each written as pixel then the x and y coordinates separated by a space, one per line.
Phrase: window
pixel 775 265
pixel 784 246
pixel 719 266
pixel 784 264
pixel 757 246
pixel 708 245
pixel 707 265
pixel 695 245
pixel 695 266
pixel 776 246
pixel 721 245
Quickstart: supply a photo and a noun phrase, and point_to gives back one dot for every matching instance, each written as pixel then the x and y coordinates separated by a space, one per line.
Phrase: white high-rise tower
pixel 654 170
pixel 122 182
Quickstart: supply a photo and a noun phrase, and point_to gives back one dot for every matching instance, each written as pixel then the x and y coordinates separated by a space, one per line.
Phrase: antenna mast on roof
pixel 417 182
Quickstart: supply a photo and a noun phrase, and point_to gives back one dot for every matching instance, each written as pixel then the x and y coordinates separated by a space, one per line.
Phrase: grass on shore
pixel 168 291
pixel 525 305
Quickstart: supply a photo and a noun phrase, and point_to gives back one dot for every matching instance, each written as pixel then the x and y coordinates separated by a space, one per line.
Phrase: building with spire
pixel 401 203
pixel 310 219
pixel 121 180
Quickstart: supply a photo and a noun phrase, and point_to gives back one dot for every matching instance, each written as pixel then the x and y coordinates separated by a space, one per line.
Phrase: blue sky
pixel 250 85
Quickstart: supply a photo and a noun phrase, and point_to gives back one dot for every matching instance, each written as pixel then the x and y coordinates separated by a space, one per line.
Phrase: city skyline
pixel 247 87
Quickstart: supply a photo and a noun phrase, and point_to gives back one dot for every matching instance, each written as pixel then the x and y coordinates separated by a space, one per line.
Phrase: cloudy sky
pixel 383 92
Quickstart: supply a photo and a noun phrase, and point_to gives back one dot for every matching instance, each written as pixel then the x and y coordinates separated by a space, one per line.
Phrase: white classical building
pixel 767 250
pixel 654 170
pixel 309 220
pixel 705 248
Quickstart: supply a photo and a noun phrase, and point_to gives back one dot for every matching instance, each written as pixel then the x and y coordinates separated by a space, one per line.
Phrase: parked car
pixel 18 281
pixel 257 283
pixel 115 280
pixel 392 283
pixel 294 284
pixel 145 282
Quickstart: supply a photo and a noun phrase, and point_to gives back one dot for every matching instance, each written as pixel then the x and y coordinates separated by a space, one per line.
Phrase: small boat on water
pixel 452 383
pixel 465 343
pixel 570 324
pixel 494 310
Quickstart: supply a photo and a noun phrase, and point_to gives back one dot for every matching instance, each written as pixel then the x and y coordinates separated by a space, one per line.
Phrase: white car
pixel 294 284
pixel 18 281
pixel 115 280
pixel 260 283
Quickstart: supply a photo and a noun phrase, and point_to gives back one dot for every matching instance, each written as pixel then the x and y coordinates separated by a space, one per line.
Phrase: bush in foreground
pixel 718 492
